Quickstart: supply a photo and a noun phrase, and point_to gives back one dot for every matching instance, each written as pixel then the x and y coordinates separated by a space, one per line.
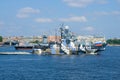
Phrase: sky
pixel 36 17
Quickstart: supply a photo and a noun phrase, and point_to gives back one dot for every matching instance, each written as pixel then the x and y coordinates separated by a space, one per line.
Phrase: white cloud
pixel 103 13
pixel 115 12
pixel 118 0
pixel 89 28
pixel 84 3
pixel 43 20
pixel 78 3
pixel 102 1
pixel 1 23
pixel 21 15
pixel 26 12
pixel 74 19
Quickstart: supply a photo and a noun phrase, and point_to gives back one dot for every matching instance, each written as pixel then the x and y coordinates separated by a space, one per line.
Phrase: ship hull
pixel 23 47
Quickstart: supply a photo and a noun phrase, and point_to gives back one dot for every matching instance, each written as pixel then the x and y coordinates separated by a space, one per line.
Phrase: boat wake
pixel 12 53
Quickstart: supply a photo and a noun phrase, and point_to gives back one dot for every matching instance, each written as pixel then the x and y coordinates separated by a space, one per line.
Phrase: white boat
pixel 88 49
pixel 37 51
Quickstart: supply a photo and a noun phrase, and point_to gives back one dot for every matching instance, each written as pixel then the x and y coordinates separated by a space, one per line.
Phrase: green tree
pixel 1 39
pixel 113 41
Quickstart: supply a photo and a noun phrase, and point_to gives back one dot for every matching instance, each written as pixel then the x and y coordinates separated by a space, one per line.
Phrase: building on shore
pixel 54 38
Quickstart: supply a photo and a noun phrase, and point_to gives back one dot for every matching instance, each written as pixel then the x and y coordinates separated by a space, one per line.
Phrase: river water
pixel 105 66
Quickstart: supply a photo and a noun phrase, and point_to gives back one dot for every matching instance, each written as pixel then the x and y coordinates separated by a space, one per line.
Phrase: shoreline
pixel 113 45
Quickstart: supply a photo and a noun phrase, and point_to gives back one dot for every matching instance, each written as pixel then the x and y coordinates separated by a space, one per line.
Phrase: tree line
pixel 109 41
pixel 113 41
pixel 1 39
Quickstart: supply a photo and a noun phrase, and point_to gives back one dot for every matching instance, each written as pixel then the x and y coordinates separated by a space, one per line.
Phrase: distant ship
pixel 72 44
pixel 100 45
pixel 22 46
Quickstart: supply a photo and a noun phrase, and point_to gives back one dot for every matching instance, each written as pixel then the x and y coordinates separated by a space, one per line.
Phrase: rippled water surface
pixel 105 66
